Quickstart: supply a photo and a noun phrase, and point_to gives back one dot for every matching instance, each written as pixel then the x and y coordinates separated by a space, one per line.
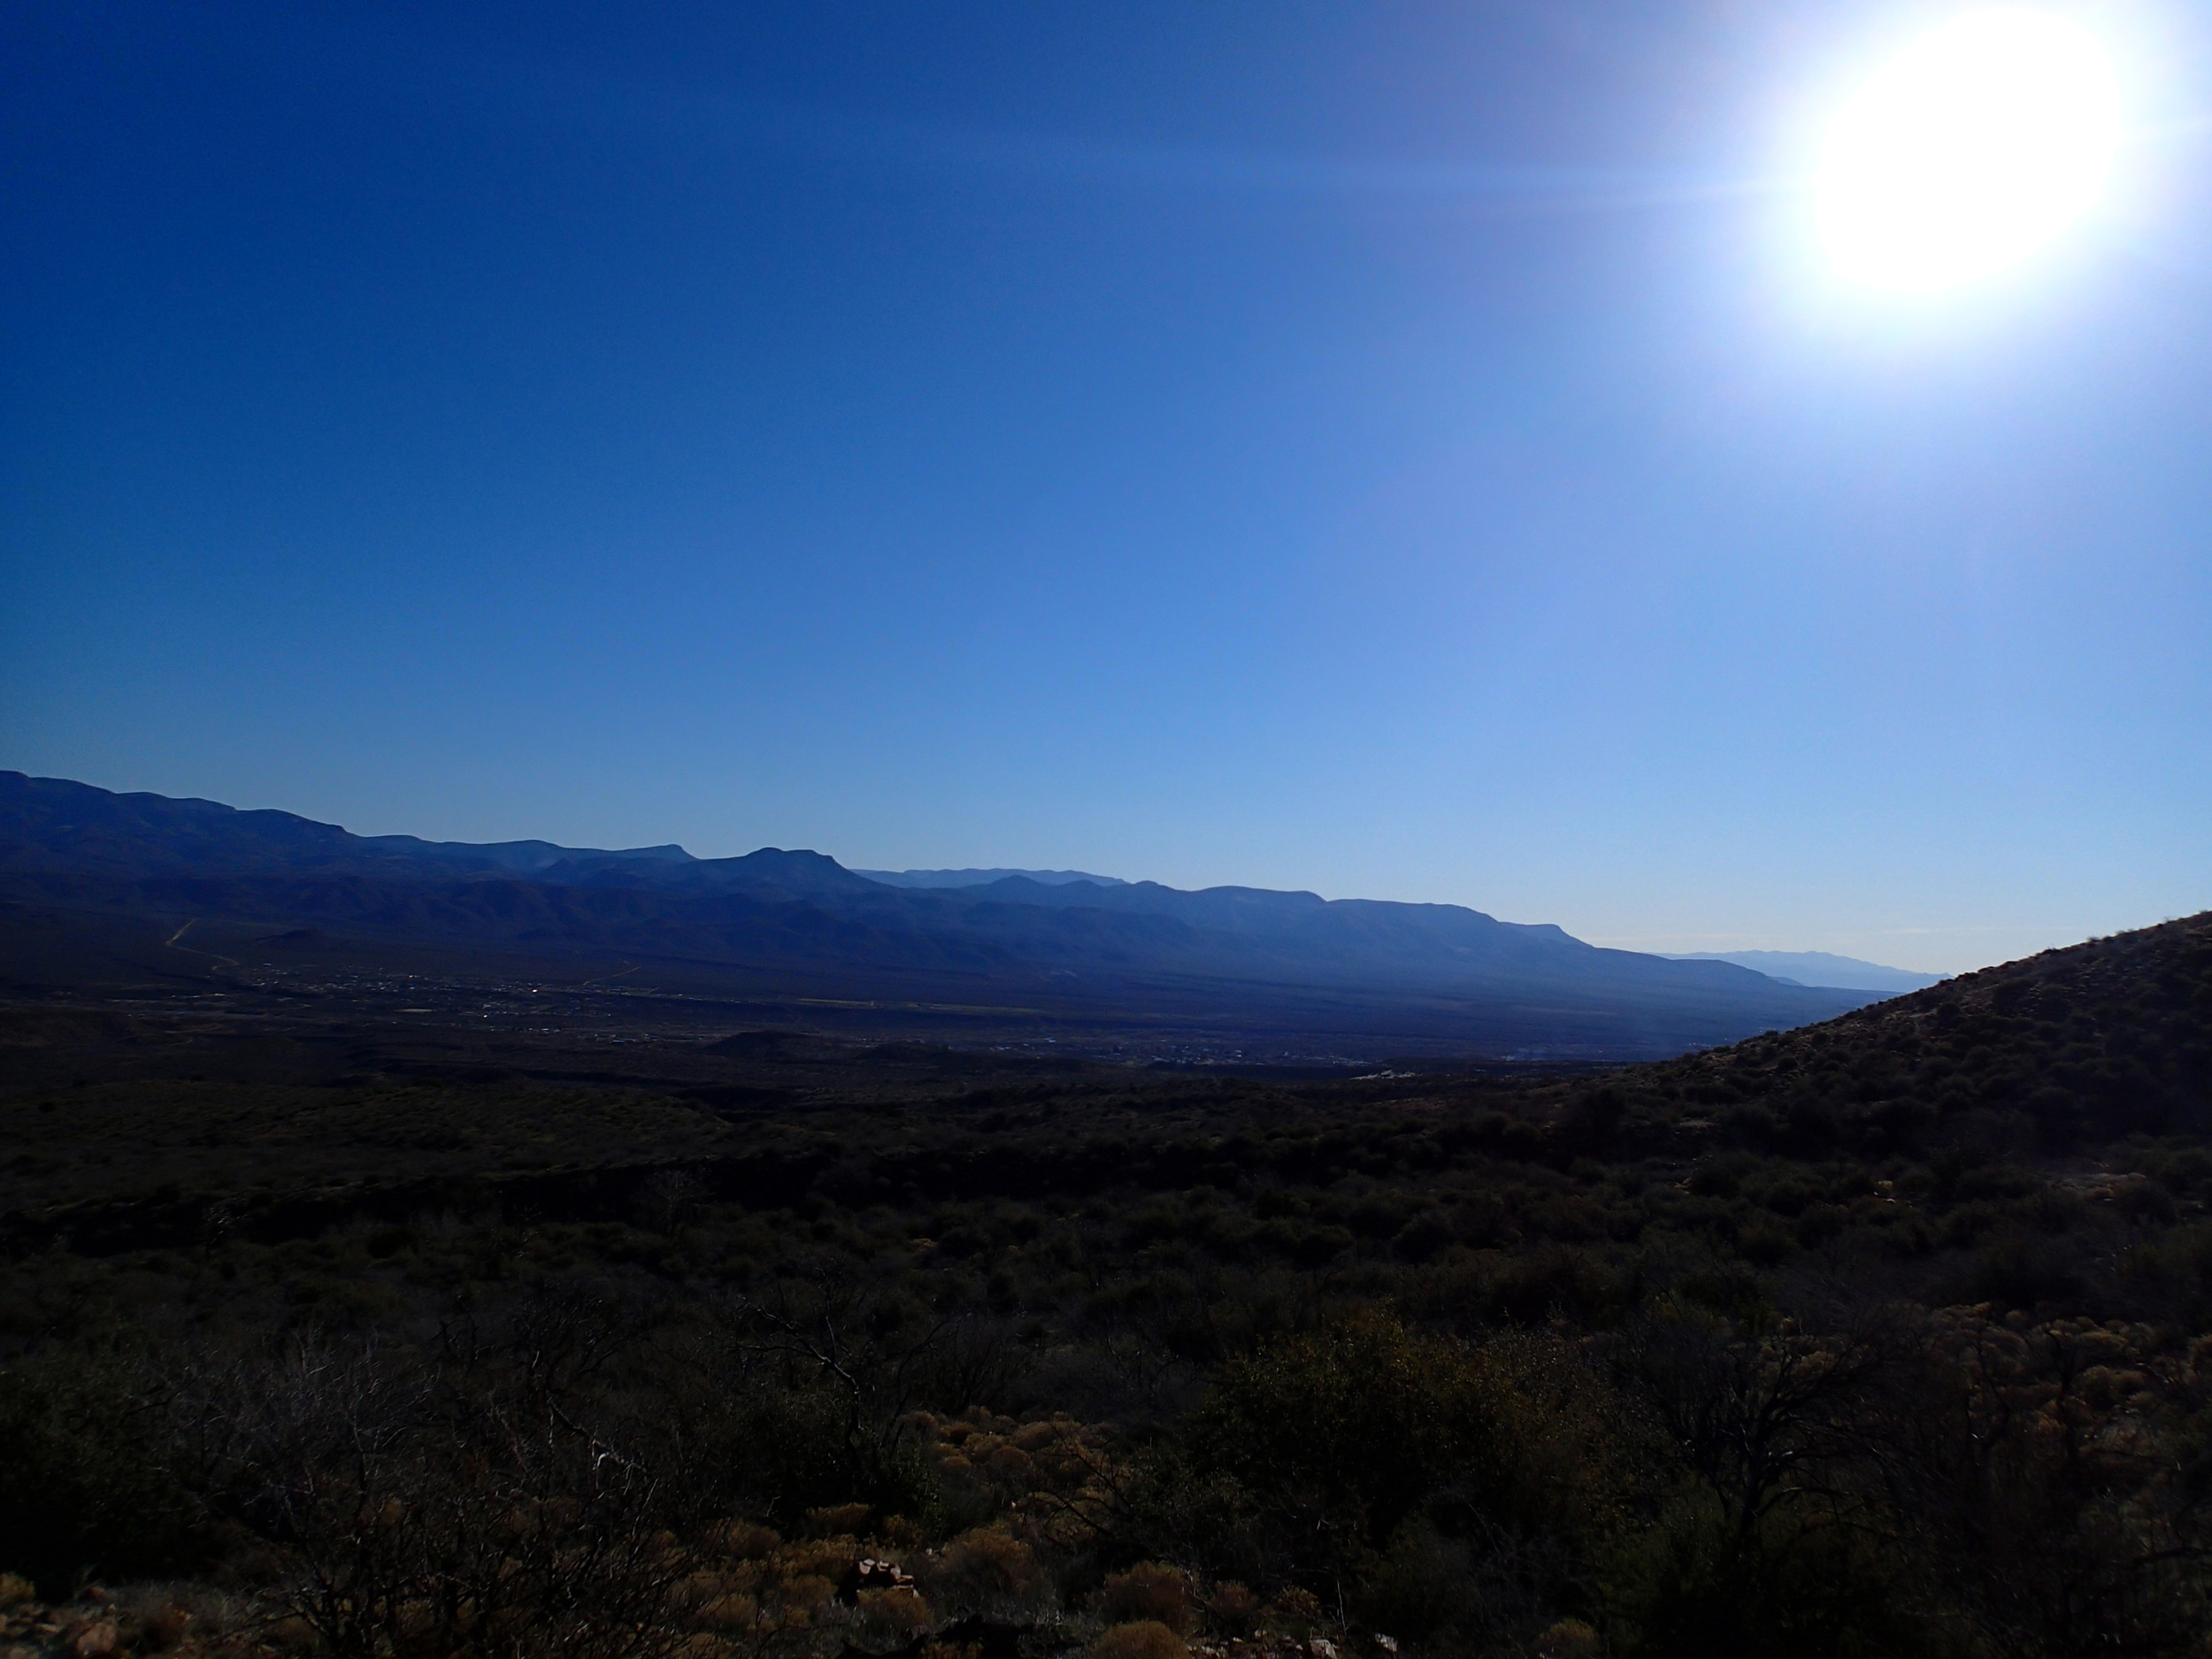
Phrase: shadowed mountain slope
pixel 2060 1052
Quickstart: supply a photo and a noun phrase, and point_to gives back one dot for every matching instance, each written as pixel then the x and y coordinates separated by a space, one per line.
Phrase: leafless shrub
pixel 1760 1413
pixel 973 1360
pixel 413 1514
pixel 812 1337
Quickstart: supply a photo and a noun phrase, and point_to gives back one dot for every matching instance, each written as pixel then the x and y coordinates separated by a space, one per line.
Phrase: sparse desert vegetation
pixel 1888 1335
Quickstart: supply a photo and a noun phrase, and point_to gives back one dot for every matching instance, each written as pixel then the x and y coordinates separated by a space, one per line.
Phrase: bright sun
pixel 1968 151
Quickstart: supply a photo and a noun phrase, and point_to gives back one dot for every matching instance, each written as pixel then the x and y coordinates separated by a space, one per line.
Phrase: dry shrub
pixel 1144 1639
pixel 1151 1591
pixel 158 1616
pixel 727 1610
pixel 829 1558
pixel 1035 1437
pixel 891 1618
pixel 1294 1612
pixel 989 1571
pixel 1570 1639
pixel 900 1534
pixel 804 1595
pixel 839 1520
pixel 290 1636
pixel 1232 1609
pixel 742 1540
pixel 163 1628
pixel 792 1589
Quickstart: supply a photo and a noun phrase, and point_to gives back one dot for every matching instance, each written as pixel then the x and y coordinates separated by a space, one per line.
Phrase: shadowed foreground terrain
pixel 415 1315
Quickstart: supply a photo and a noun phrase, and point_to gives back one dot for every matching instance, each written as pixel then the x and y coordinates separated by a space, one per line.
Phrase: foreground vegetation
pixel 1890 1335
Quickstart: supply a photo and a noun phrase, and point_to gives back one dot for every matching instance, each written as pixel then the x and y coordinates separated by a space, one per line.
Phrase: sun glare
pixel 1968 151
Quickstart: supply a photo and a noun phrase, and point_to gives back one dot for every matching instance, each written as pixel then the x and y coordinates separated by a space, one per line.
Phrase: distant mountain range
pixel 984 878
pixel 106 885
pixel 1817 967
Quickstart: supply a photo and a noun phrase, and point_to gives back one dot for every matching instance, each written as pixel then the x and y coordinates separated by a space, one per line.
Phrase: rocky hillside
pixel 2058 1054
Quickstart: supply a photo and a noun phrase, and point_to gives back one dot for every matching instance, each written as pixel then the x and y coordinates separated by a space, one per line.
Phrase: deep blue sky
pixel 1408 451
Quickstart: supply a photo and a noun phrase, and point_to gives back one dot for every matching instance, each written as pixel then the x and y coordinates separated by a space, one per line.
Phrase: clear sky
pixel 1409 451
